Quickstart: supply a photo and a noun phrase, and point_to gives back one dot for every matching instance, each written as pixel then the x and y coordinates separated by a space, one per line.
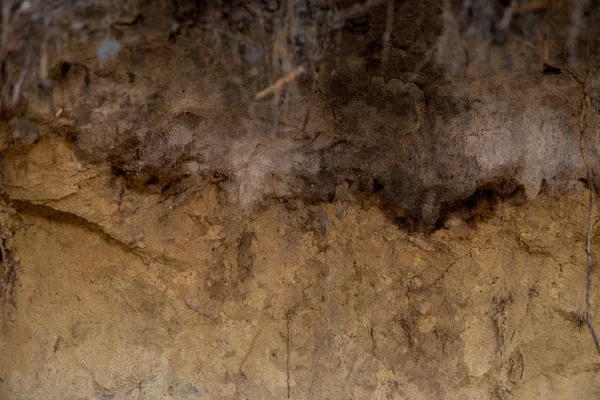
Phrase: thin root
pixel 192 305
pixel 389 26
pixel 4 260
pixel 281 83
pixel 590 222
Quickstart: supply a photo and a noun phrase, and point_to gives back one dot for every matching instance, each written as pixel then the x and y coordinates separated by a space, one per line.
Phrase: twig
pixel 590 181
pixel 278 86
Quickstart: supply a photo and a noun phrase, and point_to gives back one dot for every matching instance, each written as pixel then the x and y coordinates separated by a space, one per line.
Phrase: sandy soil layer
pixel 126 297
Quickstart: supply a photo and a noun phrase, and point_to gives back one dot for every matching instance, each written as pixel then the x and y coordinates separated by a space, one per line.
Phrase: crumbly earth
pixel 125 297
pixel 425 127
pixel 403 215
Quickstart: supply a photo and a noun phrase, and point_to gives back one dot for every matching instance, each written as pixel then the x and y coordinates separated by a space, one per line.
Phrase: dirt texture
pixel 441 118
pixel 124 297
pixel 305 200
